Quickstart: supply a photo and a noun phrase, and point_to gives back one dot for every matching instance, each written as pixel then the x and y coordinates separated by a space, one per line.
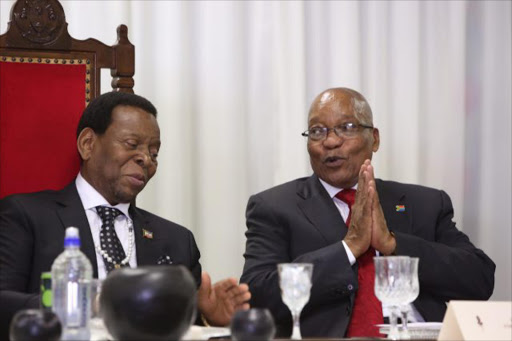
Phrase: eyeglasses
pixel 346 130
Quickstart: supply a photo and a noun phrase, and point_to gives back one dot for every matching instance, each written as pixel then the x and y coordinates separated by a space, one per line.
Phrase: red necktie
pixel 367 311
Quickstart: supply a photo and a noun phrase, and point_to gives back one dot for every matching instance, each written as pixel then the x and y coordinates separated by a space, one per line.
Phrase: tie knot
pixel 107 214
pixel 348 196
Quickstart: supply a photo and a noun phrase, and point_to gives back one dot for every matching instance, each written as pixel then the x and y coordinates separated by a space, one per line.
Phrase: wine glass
pixel 295 283
pixel 390 284
pixel 413 289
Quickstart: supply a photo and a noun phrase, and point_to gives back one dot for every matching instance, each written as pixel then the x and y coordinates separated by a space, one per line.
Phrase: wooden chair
pixel 47 78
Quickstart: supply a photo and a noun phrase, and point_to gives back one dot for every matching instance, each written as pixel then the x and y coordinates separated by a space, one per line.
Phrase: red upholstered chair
pixel 47 78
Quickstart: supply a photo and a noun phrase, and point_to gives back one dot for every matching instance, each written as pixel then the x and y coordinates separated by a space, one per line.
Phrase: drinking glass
pixel 98 329
pixel 295 283
pixel 390 283
pixel 95 297
pixel 412 289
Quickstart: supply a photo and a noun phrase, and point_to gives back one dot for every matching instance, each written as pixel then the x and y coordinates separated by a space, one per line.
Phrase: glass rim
pixel 295 264
pixel 393 257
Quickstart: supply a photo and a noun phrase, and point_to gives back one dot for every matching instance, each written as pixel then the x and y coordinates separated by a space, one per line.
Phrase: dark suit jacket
pixel 299 222
pixel 32 235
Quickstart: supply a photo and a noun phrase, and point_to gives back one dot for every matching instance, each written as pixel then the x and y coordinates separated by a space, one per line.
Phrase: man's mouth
pixel 137 179
pixel 333 161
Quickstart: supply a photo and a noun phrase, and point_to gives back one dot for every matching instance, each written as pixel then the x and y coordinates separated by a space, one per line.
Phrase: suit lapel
pixel 397 219
pixel 72 213
pixel 320 210
pixel 144 247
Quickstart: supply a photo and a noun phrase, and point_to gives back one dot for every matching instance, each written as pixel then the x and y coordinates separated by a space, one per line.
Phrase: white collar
pixel 91 197
pixel 331 189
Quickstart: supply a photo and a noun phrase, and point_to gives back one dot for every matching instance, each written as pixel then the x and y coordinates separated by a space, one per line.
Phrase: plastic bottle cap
pixel 72 232
pixel 72 238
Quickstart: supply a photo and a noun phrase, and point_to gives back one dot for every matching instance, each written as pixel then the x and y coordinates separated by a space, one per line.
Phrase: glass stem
pixel 393 328
pixel 296 327
pixel 405 330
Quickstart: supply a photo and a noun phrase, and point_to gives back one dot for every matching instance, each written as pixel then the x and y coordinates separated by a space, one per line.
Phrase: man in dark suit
pixel 304 221
pixel 118 139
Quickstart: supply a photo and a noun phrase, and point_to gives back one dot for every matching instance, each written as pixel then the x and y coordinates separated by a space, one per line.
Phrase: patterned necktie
pixel 109 241
pixel 367 311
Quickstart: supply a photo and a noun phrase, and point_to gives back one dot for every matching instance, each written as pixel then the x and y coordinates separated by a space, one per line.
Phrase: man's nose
pixel 332 140
pixel 143 158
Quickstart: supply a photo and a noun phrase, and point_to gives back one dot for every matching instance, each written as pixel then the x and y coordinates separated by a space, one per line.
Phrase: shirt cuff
pixel 350 255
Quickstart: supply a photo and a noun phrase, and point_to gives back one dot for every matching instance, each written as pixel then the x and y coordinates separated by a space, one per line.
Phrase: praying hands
pixel 368 226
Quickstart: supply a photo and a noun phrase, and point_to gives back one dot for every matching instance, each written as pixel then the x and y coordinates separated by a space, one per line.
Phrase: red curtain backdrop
pixel 40 106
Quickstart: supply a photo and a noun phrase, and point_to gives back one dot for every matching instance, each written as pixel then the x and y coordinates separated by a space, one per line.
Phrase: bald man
pixel 313 220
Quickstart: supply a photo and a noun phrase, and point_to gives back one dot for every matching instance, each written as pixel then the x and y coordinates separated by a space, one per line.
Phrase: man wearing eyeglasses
pixel 341 217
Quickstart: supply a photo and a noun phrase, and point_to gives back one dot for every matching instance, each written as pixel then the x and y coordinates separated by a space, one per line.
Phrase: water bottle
pixel 71 277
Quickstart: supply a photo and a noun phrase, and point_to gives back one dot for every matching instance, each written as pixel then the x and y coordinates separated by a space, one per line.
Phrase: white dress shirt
pixel 91 198
pixel 413 315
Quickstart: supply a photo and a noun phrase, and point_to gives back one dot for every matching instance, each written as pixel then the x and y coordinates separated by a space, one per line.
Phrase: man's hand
pixel 381 240
pixel 359 233
pixel 219 302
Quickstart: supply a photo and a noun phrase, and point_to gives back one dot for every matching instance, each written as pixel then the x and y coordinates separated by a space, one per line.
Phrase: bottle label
pixel 46 290
pixel 72 304
pixel 78 305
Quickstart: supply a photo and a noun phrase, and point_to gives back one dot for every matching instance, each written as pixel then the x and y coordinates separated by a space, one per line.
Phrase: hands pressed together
pixel 219 302
pixel 367 223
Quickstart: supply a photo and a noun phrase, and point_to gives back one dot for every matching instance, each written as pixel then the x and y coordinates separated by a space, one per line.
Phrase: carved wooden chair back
pixel 47 78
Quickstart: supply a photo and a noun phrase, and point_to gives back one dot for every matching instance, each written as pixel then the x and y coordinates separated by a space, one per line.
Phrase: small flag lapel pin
pixel 147 234
pixel 400 208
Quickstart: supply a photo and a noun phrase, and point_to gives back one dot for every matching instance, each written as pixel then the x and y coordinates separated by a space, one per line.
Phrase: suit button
pixel 350 287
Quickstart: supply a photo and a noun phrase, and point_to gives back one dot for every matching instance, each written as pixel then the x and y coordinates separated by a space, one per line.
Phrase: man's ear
pixel 376 140
pixel 85 143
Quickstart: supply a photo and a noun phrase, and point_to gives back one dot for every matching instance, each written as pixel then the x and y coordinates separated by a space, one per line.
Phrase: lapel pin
pixel 400 208
pixel 147 234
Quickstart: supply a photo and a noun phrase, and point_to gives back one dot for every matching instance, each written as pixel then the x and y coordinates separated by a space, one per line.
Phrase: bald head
pixel 346 98
pixel 337 157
